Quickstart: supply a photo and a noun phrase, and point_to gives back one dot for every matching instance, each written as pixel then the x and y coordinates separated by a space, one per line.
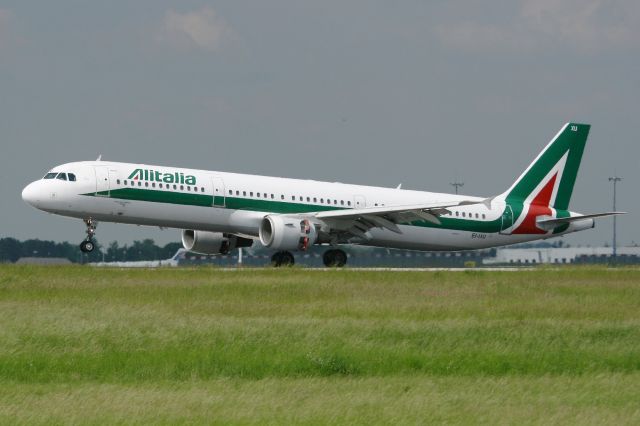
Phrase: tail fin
pixel 550 178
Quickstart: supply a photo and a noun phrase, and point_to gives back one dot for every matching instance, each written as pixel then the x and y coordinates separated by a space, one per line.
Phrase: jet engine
pixel 287 232
pixel 204 242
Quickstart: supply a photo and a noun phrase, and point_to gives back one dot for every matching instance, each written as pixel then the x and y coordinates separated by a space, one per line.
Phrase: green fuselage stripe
pixel 281 206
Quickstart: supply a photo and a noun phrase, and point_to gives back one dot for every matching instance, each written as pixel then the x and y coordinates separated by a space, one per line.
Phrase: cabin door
pixel 218 191
pixel 360 202
pixel 507 221
pixel 102 181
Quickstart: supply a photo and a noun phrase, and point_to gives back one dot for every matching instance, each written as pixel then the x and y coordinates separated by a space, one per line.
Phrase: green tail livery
pixel 545 187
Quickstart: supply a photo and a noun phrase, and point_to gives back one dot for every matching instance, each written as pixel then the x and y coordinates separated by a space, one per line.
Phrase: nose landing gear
pixel 88 245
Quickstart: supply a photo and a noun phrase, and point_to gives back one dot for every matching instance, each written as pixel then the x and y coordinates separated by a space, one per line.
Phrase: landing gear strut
pixel 334 258
pixel 88 245
pixel 282 258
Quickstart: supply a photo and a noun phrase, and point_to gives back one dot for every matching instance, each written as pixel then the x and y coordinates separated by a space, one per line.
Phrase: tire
pixel 341 258
pixel 282 258
pixel 87 246
pixel 334 258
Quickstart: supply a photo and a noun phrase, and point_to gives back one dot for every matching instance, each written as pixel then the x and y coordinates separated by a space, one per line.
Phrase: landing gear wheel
pixel 87 246
pixel 282 258
pixel 334 258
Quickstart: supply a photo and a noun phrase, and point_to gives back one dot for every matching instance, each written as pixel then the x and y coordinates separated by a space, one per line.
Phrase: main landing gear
pixel 282 258
pixel 88 245
pixel 334 258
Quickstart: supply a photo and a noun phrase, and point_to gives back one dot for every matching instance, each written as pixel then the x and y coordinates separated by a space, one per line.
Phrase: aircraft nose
pixel 31 195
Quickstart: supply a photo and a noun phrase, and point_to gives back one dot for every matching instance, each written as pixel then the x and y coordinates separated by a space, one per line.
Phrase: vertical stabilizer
pixel 549 179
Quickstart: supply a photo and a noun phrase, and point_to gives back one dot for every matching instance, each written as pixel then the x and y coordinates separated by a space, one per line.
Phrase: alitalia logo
pixel 156 176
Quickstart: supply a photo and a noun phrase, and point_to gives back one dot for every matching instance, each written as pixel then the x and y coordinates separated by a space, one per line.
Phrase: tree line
pixel 12 249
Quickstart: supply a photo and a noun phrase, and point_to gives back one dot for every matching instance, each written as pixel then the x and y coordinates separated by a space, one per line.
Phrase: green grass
pixel 87 345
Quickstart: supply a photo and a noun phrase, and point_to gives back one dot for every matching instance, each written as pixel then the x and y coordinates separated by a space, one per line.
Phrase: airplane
pixel 218 211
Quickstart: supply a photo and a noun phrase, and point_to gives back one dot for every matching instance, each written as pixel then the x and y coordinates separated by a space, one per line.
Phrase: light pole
pixel 457 185
pixel 615 180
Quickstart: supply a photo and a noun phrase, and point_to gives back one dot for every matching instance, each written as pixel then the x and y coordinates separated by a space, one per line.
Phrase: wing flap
pixel 358 221
pixel 431 208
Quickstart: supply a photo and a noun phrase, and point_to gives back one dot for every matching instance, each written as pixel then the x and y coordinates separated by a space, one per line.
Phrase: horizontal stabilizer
pixel 557 221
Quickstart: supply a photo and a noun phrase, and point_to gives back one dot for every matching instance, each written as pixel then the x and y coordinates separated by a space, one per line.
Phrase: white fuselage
pixel 236 204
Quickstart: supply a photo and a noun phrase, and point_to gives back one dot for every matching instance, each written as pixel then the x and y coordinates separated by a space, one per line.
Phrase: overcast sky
pixel 370 92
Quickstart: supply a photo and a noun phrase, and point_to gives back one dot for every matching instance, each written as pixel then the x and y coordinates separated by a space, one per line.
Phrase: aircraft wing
pixel 358 221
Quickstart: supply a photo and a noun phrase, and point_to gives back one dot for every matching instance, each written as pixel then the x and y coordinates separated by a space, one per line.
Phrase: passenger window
pixel 348 203
pixel 118 181
pixel 175 186
pixel 153 184
pixel 62 176
pixel 281 197
pixel 181 187
pixel 159 185
pixel 476 215
pixel 308 199
pixel 250 194
pixel 72 177
pixel 272 197
pixel 244 193
pixel 50 176
pixel 342 202
pixel 146 184
pixel 484 216
pixel 230 192
pixel 188 188
pixel 201 189
pixel 293 198
pixel 139 183
pixel 315 200
pixel 237 192
pixel 335 202
pixel 457 213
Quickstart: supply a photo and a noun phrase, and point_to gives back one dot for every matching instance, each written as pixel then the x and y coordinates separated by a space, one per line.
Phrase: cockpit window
pixel 62 176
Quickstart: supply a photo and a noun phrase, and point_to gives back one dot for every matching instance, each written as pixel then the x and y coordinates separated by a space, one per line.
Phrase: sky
pixel 422 93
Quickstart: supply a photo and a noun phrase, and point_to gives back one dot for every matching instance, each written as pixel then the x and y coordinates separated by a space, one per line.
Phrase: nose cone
pixel 31 195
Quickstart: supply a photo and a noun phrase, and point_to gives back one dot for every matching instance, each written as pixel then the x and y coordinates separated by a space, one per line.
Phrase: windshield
pixel 62 176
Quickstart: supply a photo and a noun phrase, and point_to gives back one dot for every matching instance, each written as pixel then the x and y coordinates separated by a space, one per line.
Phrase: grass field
pixel 85 345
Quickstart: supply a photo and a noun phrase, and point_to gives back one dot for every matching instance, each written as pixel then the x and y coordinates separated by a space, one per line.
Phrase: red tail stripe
pixel 539 206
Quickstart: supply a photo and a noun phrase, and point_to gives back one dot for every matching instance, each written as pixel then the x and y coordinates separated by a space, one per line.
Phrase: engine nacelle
pixel 287 232
pixel 204 242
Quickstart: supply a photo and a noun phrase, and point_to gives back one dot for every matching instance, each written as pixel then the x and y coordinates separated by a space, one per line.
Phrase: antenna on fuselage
pixel 99 157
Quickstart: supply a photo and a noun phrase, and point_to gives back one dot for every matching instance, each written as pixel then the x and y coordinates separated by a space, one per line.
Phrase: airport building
pixel 562 255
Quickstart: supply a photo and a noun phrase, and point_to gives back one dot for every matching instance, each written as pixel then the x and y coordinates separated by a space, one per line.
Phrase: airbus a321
pixel 218 211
